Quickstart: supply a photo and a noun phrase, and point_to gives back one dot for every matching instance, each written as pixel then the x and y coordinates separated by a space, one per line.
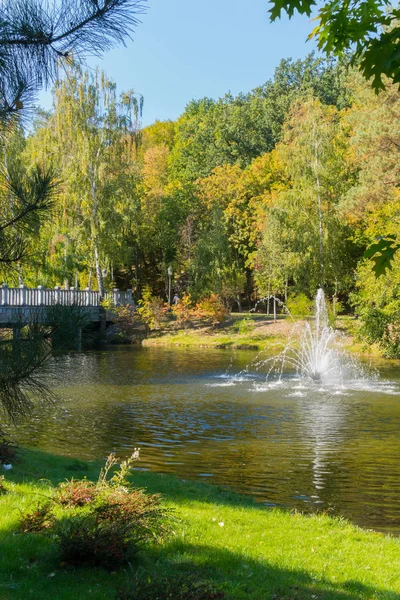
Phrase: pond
pixel 196 413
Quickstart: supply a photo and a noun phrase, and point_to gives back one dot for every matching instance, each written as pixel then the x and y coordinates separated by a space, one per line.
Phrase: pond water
pixel 197 414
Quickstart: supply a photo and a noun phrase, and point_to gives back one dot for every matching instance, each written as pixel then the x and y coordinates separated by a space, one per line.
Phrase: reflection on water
pixel 288 443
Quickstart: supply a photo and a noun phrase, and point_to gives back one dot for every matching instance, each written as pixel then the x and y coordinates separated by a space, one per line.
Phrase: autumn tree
pixel 304 221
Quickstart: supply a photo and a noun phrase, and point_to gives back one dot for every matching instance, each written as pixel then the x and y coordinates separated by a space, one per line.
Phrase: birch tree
pixel 95 133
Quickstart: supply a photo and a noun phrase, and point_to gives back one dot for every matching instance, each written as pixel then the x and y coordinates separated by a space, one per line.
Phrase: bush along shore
pixel 209 324
pixel 68 533
pixel 236 331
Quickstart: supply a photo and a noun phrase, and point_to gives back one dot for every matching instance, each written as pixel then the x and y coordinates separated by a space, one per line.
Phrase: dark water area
pixel 196 413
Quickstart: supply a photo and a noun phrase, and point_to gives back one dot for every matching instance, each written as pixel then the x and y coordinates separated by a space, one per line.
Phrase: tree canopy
pixel 37 39
pixel 369 30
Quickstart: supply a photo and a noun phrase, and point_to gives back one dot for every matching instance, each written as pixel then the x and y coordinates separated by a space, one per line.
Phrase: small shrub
pixel 75 493
pixel 103 523
pixel 212 309
pixel 107 303
pixel 183 311
pixel 85 541
pixel 126 319
pixel 39 520
pixel 3 489
pixel 244 326
pixel 113 530
pixel 151 310
pixel 169 588
pixel 383 328
pixel 8 451
pixel 300 306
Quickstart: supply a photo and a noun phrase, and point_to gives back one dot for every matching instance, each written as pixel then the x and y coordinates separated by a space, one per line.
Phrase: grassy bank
pixel 252 331
pixel 249 551
pixel 238 331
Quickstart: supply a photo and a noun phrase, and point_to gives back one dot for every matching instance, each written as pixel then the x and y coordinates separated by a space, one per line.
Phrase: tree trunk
pixel 239 303
pixel 99 274
pixel 320 213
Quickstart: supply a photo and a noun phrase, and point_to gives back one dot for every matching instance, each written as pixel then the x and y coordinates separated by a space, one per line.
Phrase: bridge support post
pixel 16 337
pixel 23 295
pixel 79 339
pixel 103 323
pixel 40 295
pixel 5 293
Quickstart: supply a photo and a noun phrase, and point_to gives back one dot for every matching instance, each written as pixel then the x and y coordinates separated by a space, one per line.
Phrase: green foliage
pixel 236 130
pixel 382 327
pixel 244 326
pixel 377 302
pixel 273 192
pixel 369 29
pixel 305 240
pixel 300 305
pixel 382 253
pixel 101 524
pixel 151 310
pixel 35 37
pixel 40 519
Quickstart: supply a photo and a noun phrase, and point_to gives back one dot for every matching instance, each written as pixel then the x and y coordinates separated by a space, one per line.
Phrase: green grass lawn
pixel 249 551
pixel 254 335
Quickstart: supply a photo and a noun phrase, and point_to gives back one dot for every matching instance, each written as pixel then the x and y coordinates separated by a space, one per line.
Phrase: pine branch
pixel 36 36
pixel 29 195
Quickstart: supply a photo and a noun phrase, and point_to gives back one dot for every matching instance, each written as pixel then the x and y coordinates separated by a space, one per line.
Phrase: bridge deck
pixel 27 305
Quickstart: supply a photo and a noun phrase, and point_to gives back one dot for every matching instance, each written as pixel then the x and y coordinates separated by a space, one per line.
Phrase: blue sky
pixel 185 49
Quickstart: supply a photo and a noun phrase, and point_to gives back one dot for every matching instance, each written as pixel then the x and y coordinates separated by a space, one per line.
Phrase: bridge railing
pixel 41 296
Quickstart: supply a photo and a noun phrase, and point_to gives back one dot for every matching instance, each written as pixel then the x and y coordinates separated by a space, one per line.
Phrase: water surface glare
pixel 200 415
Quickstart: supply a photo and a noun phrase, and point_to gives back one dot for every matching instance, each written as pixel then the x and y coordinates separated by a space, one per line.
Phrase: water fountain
pixel 314 351
pixel 316 356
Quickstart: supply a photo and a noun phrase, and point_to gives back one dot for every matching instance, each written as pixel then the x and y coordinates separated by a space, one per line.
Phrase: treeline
pixel 277 191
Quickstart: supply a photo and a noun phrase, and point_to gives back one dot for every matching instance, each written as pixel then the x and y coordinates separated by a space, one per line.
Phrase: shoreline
pixel 249 551
pixel 265 334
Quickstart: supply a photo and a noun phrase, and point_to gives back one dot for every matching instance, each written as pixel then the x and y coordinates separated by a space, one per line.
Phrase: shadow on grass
pixel 241 576
pixel 244 578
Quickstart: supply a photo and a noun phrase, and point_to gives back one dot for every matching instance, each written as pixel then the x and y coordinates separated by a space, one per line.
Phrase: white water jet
pixel 316 356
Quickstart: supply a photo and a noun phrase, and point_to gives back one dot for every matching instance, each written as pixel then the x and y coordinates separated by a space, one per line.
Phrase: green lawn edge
pixel 248 550
pixel 225 336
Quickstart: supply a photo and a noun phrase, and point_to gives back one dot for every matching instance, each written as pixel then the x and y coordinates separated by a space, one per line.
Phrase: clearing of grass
pixel 247 551
pixel 238 331
pixel 243 331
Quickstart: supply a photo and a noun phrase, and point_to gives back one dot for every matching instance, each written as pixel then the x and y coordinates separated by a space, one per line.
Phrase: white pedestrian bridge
pixel 26 305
